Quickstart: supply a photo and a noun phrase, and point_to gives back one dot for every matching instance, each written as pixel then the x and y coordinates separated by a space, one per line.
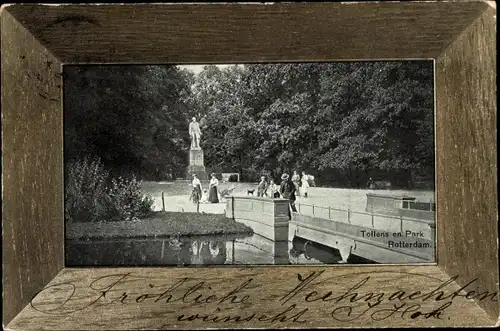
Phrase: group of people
pixel 289 188
pixel 300 185
pixel 208 195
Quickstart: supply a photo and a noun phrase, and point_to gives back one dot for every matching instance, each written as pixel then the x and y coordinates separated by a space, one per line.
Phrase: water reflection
pixel 200 251
pixel 208 252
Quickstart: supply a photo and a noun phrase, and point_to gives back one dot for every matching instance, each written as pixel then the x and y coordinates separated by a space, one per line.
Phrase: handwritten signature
pixel 347 304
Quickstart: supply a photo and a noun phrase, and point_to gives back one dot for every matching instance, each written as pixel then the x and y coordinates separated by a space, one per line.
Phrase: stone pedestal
pixel 196 165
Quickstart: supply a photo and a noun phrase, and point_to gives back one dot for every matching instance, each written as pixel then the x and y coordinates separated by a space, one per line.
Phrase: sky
pixel 198 68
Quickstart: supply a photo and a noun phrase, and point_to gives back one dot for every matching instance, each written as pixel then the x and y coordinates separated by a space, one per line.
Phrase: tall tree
pixel 131 117
pixel 351 119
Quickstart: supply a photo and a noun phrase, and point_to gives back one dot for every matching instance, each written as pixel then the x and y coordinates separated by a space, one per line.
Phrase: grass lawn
pixel 159 225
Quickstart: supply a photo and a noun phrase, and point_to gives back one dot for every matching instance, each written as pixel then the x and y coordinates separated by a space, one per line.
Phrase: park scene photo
pixel 249 164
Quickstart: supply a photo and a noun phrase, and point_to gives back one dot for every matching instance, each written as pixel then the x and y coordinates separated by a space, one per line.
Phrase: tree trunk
pixel 410 179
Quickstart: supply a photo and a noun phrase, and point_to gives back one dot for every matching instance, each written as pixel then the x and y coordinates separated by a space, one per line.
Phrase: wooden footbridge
pixel 388 231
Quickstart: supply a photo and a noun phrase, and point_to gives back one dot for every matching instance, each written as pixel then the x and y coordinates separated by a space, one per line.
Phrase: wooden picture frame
pixel 460 290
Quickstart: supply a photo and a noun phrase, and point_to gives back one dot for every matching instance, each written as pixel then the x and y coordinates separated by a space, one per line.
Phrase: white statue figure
pixel 195 134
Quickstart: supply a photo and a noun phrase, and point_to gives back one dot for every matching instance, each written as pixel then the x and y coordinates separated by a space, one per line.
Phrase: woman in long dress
pixel 296 182
pixel 213 192
pixel 196 193
pixel 305 184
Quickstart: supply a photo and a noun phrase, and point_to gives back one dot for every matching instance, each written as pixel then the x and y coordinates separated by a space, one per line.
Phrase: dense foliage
pixel 92 196
pixel 342 122
pixel 132 117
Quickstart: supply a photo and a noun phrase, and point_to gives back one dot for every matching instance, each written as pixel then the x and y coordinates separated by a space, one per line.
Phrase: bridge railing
pixel 406 206
pixel 377 201
pixel 364 218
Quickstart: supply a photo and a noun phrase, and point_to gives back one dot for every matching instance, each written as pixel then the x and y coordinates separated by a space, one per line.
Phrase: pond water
pixel 200 251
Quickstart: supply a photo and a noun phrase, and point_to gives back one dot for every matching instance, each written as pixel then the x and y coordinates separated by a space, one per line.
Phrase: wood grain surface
pixel 37 39
pixel 230 33
pixel 466 133
pixel 157 298
pixel 32 178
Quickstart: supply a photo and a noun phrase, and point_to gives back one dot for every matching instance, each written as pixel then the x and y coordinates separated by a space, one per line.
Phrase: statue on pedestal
pixel 196 163
pixel 195 134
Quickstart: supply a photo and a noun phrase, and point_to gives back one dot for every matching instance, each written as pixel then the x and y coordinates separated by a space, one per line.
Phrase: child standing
pixel 262 187
pixel 274 189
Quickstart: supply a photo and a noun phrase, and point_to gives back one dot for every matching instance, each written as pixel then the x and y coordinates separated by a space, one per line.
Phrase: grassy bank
pixel 159 225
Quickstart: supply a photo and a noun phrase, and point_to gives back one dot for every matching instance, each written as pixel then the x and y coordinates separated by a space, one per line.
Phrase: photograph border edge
pixel 48 177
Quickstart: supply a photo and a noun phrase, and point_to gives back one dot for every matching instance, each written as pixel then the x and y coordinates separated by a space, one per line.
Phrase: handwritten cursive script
pixel 384 304
pixel 347 297
pixel 104 288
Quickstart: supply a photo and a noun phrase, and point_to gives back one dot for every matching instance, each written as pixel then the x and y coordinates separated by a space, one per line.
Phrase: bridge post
pixel 163 200
pixel 232 207
pixel 267 217
pixel 232 254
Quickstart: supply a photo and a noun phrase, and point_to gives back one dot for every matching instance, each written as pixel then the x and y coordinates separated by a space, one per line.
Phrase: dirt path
pixel 181 203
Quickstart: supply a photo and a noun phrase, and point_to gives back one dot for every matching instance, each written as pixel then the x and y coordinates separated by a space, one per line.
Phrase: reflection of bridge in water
pixel 390 230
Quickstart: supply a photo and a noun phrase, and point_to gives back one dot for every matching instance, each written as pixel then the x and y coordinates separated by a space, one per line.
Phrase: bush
pixel 125 200
pixel 92 197
pixel 85 196
pixel 233 178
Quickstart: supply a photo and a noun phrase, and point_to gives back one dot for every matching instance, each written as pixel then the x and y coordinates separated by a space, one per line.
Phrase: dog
pixel 251 192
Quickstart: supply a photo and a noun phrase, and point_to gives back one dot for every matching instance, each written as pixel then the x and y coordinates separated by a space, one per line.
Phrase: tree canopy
pixel 132 117
pixel 342 122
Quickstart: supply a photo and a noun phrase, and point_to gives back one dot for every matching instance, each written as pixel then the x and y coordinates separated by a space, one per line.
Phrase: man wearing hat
pixel 287 190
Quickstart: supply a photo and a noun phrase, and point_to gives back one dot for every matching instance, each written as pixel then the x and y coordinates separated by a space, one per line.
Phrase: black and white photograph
pixel 249 164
